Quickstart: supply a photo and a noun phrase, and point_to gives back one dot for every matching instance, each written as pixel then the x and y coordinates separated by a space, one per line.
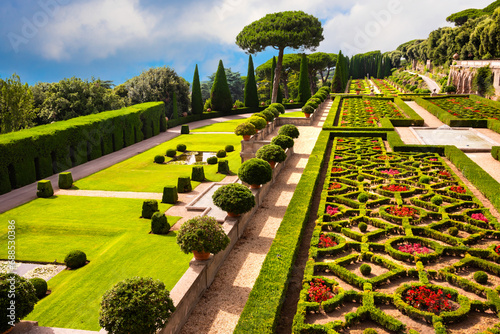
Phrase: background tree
pixel 273 71
pixel 16 105
pixel 483 82
pixel 293 29
pixel 251 98
pixel 158 84
pixel 196 100
pixel 220 93
pixel 234 80
pixel 304 87
pixel 25 298
pixel 340 77
pixel 291 64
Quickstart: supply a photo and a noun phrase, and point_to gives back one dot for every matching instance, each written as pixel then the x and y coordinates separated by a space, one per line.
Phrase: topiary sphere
pixel 212 160
pixel 360 178
pixel 437 200
pixel 279 107
pixel 25 299
pixel 229 148
pixel 481 277
pixel 424 179
pixel 308 109
pixel 40 286
pixel 359 163
pixel 221 154
pixel 363 227
pixel 283 141
pixel 416 164
pixel 159 223
pixel 271 152
pixel 365 269
pixel 453 231
pixel 275 111
pixel 234 198
pixel 159 159
pixel 363 197
pixel 171 153
pixel 75 259
pixel 261 115
pixel 259 122
pixel 269 114
pixel 136 305
pixel 181 148
pixel 255 171
pixel 289 130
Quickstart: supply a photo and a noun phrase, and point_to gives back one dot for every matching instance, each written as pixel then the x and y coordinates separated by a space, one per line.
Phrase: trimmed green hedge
pixel 415 118
pixel 495 152
pixel 264 304
pixel 33 154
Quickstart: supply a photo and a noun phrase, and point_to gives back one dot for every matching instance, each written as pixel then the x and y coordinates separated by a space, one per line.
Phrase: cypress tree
pixel 337 85
pixel 304 85
pixel 196 99
pixel 220 94
pixel 251 98
pixel 380 70
pixel 175 113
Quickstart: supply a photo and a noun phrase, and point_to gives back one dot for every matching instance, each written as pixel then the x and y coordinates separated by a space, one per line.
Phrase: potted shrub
pixel 283 141
pixel 271 153
pixel 259 122
pixel 279 107
pixel 307 110
pixel 255 172
pixel 138 305
pixel 202 235
pixel 289 130
pixel 234 198
pixel 246 130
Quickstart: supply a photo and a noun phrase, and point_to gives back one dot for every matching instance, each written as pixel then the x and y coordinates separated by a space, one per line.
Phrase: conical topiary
pixel 220 94
pixel 196 99
pixel 304 88
pixel 251 97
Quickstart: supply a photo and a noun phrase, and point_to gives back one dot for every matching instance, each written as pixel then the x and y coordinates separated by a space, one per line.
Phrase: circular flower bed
pixel 390 171
pixel 395 188
pixel 401 211
pixel 458 189
pixel 337 169
pixel 331 210
pixel 428 300
pixel 334 185
pixel 325 241
pixel 318 291
pixel 479 216
pixel 415 248
pixel 497 249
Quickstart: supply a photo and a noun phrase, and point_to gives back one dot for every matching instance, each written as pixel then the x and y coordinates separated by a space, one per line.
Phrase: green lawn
pixel 227 126
pixel 117 243
pixel 139 173
pixel 293 114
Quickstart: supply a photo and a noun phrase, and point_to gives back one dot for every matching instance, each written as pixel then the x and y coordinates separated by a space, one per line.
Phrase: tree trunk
pixel 277 75
pixel 285 87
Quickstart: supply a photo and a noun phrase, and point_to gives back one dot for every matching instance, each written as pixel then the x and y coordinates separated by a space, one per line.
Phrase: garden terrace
pixel 359 85
pixel 385 87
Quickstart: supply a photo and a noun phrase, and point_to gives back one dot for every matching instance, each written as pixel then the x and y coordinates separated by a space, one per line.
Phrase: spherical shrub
pixel 255 171
pixel 360 178
pixel 171 153
pixel 363 197
pixel 229 148
pixel 136 305
pixel 481 277
pixel 234 198
pixel 269 114
pixel 437 200
pixel 289 130
pixel 271 152
pixel 424 179
pixel 159 223
pixel 365 269
pixel 453 231
pixel 261 115
pixel 25 298
pixel 181 148
pixel 40 286
pixel 307 109
pixel 159 159
pixel 245 129
pixel 212 160
pixel 75 259
pixel 416 164
pixel 272 109
pixel 221 154
pixel 279 107
pixel 259 122
pixel 359 163
pixel 362 227
pixel 202 234
pixel 283 141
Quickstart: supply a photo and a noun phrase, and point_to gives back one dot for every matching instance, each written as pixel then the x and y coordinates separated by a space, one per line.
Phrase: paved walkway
pixel 430 83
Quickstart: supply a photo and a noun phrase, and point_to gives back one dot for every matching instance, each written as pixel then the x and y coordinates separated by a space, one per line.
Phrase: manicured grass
pixel 227 126
pixel 139 173
pixel 293 114
pixel 117 243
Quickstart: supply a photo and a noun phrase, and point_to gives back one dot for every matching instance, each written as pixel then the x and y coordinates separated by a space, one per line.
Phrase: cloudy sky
pixel 48 40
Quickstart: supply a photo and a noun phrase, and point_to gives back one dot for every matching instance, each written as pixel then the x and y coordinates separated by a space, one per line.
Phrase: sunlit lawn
pixel 227 126
pixel 117 243
pixel 139 173
pixel 293 114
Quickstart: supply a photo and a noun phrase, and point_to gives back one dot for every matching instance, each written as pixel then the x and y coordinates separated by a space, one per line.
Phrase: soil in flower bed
pixel 328 258
pixel 416 324
pixel 468 273
pixel 485 243
pixel 442 262
pixel 475 323
pixel 392 286
pixel 393 260
pixel 367 323
pixel 461 291
pixel 370 228
pixel 338 314
pixel 376 269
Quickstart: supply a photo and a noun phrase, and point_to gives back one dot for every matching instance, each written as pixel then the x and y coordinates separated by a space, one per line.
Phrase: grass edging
pixel 268 294
pixel 415 118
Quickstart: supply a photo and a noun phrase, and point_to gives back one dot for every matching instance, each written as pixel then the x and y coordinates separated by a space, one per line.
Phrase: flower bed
pixel 428 300
pixel 465 108
pixel 365 112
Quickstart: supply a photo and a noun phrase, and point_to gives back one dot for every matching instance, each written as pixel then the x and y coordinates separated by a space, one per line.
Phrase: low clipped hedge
pixel 495 152
pixel 36 153
pixel 415 119
pixel 263 306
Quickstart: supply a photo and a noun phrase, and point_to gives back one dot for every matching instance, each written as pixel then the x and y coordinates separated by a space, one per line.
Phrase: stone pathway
pixel 429 119
pixel 430 82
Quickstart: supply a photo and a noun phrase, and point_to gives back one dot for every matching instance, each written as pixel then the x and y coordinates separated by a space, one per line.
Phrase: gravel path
pixel 220 307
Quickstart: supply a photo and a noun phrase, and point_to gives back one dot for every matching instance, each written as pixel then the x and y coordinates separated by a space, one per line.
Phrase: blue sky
pixel 48 40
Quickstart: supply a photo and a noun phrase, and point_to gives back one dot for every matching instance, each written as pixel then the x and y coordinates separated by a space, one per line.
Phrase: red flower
pixel 318 291
pixel 458 189
pixel 326 241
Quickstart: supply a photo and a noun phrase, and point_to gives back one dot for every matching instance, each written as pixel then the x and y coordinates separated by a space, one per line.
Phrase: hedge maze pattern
pixel 366 112
pixel 410 203
pixel 465 108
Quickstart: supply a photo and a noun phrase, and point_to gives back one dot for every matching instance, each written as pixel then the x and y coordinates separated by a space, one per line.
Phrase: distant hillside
pixel 461 17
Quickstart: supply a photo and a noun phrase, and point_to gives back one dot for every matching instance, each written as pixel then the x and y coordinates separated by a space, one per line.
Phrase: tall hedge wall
pixel 33 154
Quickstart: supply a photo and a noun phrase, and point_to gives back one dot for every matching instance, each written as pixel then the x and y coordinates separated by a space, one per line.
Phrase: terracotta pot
pixel 254 186
pixel 357 92
pixel 230 214
pixel 246 137
pixel 307 115
pixel 201 256
pixel 272 163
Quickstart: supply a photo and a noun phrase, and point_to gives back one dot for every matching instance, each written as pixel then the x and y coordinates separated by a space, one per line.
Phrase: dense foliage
pixel 196 99
pixel 234 198
pixel 202 234
pixel 251 98
pixel 16 105
pixel 25 299
pixel 220 95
